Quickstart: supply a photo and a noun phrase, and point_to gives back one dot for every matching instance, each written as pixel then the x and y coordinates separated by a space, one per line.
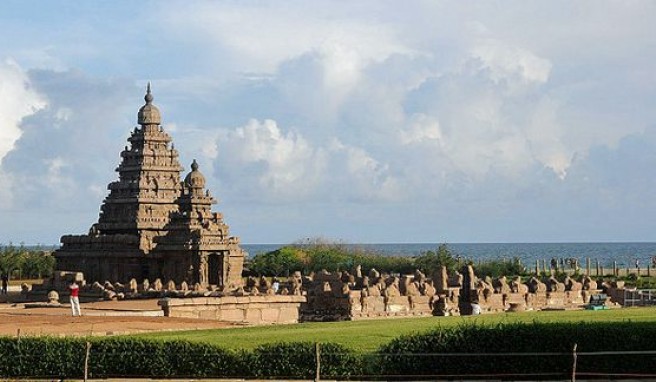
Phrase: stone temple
pixel 153 225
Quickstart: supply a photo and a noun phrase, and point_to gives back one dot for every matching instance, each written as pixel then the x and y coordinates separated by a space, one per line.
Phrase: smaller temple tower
pixel 153 225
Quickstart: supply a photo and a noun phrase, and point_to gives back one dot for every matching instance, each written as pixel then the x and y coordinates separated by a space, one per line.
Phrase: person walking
pixel 5 283
pixel 75 300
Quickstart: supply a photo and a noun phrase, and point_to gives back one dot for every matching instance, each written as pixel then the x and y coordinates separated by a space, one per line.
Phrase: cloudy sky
pixel 434 121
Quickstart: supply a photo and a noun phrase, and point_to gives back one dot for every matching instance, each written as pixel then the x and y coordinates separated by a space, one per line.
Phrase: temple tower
pixel 151 224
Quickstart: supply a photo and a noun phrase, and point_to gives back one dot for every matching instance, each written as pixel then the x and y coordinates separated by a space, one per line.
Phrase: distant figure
pixel 637 264
pixel 5 283
pixel 276 285
pixel 75 300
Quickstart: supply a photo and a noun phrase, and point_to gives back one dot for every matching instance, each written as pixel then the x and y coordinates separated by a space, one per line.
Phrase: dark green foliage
pixel 468 351
pixel 430 261
pixel 281 262
pixel 137 357
pixel 22 262
pixel 114 357
pixel 319 255
pixel 388 264
pixel 498 268
pixel 298 360
pixel 420 354
pixel 48 357
pixel 43 356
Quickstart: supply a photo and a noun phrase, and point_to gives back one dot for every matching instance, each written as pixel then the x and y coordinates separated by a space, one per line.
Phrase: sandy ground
pixel 99 318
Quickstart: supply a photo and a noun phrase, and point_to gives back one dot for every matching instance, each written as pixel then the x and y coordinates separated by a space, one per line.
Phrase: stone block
pixel 208 314
pixel 397 304
pixel 232 315
pixel 253 316
pixel 556 299
pixel 228 300
pixel 288 315
pixel 373 304
pixel 270 316
pixel 515 298
pixel 420 303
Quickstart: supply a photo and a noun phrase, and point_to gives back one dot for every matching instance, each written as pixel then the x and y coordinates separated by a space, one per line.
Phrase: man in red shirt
pixel 75 300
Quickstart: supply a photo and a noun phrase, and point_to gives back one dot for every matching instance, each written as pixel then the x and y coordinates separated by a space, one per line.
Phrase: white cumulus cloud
pixel 19 100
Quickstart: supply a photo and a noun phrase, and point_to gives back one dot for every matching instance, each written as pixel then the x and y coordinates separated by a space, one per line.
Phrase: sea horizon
pixel 624 253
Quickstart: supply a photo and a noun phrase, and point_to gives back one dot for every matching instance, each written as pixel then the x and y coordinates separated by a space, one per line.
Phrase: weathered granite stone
pixel 153 225
pixel 53 297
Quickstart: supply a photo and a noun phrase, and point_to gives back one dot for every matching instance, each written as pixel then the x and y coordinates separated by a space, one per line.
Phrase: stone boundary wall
pixel 266 309
pixel 342 296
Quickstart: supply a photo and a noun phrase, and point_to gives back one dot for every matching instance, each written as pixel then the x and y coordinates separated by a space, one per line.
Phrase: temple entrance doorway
pixel 213 269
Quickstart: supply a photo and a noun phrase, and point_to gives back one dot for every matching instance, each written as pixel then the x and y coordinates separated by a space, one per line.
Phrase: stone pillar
pixel 441 280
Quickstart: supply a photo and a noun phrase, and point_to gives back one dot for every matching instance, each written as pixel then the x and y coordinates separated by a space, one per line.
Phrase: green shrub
pixel 423 354
pixel 319 255
pixel 281 262
pixel 114 357
pixel 498 268
pixel 41 357
pixel 430 261
pixel 298 360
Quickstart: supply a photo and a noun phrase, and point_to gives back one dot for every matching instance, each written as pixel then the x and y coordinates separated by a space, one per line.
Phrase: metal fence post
pixel 86 361
pixel 317 378
pixel 574 364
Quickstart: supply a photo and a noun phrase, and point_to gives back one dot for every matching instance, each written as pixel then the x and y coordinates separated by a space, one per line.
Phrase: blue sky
pixel 377 121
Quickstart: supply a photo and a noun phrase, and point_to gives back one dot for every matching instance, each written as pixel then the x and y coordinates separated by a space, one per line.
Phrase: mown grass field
pixel 368 335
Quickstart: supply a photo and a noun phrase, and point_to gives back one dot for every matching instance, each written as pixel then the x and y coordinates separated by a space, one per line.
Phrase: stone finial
pixel 427 289
pixel 265 283
pixel 53 297
pixel 149 113
pixel 157 285
pixel 170 285
pixel 133 286
pixel 149 96
pixel 412 289
pixel 374 274
pixel 184 286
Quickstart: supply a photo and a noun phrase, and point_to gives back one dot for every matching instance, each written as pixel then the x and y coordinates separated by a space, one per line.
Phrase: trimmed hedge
pixel 298 360
pixel 424 354
pixel 540 350
pixel 135 357
pixel 44 356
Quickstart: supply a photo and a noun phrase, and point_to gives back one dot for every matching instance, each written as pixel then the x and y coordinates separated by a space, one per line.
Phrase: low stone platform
pixel 274 309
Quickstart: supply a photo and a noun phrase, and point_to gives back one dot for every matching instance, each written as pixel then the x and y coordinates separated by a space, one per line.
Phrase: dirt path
pixel 102 318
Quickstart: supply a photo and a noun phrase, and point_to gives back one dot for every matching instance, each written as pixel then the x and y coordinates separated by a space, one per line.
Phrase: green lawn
pixel 368 335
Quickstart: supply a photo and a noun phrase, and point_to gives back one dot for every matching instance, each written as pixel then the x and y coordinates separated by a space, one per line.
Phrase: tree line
pixel 320 255
pixel 21 262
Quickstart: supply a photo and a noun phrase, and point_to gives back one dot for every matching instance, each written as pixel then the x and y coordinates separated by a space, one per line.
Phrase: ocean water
pixel 625 254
